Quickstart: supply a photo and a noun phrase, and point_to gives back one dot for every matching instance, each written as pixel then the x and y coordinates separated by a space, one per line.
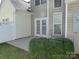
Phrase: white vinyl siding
pixel 57 23
pixel 23 24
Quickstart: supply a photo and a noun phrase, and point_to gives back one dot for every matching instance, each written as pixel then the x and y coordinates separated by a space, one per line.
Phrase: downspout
pixel 66 18
pixel 48 18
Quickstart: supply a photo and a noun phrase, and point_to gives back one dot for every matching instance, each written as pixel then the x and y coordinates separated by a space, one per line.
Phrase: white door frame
pixel 36 28
pixel 40 19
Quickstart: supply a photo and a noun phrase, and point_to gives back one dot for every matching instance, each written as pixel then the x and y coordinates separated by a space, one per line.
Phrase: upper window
pixel 43 1
pixel 37 2
pixel 57 3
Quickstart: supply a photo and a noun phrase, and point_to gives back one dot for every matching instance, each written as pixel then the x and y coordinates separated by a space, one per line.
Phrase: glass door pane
pixel 43 27
pixel 38 27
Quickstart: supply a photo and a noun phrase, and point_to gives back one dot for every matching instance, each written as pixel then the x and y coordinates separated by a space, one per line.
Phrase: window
pixel 57 3
pixel 37 2
pixel 43 1
pixel 57 28
pixel 44 27
pixel 57 23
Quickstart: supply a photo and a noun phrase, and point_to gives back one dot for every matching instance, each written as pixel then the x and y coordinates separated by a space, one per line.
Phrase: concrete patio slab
pixel 22 43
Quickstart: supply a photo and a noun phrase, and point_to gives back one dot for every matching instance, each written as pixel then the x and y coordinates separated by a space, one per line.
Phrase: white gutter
pixel 66 18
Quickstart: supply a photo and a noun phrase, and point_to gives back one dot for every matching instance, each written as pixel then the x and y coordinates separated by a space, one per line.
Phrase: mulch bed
pixel 75 57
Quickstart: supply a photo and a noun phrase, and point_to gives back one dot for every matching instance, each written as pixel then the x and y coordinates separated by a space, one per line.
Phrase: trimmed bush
pixel 43 48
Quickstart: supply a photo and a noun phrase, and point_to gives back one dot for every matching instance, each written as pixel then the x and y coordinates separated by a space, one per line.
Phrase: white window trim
pixel 57 23
pixel 57 7
pixel 41 35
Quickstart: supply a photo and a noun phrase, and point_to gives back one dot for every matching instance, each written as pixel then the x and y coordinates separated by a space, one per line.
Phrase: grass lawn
pixel 10 52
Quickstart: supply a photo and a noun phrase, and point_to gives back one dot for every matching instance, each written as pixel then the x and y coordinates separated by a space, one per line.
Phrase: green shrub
pixel 43 48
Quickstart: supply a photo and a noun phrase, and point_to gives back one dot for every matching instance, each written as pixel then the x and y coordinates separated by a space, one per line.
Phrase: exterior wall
pixel 72 9
pixel 23 24
pixel 7 28
pixel 39 11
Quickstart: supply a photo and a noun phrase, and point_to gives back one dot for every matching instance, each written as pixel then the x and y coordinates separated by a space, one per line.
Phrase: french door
pixel 41 27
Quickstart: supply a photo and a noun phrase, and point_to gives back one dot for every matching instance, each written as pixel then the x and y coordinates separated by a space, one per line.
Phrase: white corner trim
pixel 66 19
pixel 48 18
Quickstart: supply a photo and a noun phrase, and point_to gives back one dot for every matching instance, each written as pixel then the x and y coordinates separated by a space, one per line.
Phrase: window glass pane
pixel 44 27
pixel 38 27
pixel 43 1
pixel 37 2
pixel 57 18
pixel 57 3
pixel 57 28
